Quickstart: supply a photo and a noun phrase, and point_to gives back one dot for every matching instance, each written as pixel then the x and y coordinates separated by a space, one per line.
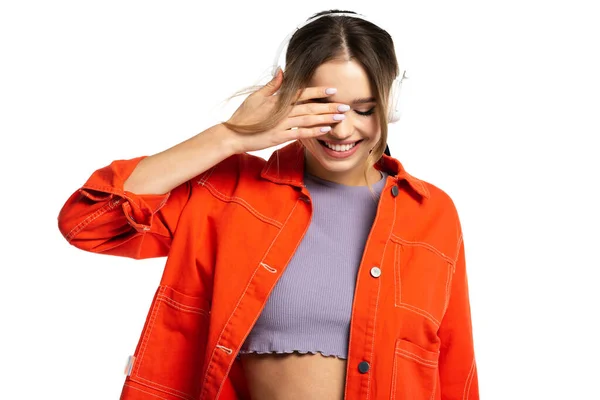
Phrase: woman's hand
pixel 308 119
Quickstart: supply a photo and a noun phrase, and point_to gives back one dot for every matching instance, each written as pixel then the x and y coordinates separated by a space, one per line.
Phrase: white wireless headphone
pixel 394 111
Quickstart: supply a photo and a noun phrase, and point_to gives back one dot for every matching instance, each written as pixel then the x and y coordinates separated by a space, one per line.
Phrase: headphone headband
pixel 394 98
pixel 277 62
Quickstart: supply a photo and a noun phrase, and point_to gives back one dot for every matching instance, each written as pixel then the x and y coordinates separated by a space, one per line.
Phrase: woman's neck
pixel 354 177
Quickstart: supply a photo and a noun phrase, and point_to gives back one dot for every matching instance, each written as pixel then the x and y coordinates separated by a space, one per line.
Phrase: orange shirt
pixel 229 234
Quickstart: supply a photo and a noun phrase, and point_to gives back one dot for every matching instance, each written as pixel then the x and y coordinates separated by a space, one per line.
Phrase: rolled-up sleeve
pixel 103 218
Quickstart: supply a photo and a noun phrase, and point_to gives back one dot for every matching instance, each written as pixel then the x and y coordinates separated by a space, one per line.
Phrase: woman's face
pixel 355 136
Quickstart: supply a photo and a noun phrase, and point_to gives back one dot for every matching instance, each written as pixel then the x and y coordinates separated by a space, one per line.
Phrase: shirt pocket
pixel 415 372
pixel 171 350
pixel 422 279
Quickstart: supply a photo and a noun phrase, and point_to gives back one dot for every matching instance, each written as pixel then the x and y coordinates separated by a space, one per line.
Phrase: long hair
pixel 335 37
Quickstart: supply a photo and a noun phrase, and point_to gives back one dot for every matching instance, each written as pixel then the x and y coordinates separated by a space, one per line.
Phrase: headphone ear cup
pixel 394 111
pixel 274 70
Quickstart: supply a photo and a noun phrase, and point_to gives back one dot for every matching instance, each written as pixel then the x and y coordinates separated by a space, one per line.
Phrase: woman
pixel 325 272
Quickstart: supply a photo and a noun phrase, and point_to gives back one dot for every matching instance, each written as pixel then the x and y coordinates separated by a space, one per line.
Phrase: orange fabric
pixel 229 234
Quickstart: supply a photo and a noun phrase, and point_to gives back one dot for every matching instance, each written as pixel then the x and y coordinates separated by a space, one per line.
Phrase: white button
pixel 375 272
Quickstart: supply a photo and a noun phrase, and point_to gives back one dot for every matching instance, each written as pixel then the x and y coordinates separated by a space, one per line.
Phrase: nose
pixel 342 130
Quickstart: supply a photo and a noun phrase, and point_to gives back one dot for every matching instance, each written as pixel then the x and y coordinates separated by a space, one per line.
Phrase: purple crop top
pixel 310 307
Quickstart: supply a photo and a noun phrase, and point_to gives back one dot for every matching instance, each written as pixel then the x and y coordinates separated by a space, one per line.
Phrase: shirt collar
pixel 286 166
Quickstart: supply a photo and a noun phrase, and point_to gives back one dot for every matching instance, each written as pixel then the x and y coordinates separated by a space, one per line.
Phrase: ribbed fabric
pixel 310 307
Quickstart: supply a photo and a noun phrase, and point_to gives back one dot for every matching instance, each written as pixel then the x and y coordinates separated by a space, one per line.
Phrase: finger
pixel 318 108
pixel 309 121
pixel 273 85
pixel 316 92
pixel 305 133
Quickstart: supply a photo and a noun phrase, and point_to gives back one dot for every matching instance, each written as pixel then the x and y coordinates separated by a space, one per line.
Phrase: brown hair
pixel 333 38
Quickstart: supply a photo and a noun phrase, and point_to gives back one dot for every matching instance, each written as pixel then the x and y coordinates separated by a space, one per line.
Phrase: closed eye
pixel 357 101
pixel 366 113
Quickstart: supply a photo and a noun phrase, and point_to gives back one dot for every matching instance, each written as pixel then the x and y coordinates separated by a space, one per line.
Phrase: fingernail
pixel 343 107
pixel 339 117
pixel 325 129
pixel 331 91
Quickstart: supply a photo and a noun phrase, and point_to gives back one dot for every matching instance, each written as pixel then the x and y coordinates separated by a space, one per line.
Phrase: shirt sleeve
pixel 457 367
pixel 101 217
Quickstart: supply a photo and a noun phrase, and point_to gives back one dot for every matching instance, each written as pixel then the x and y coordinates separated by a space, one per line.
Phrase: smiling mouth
pixel 339 147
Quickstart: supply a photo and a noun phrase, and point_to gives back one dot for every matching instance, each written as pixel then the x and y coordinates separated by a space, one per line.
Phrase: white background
pixel 500 110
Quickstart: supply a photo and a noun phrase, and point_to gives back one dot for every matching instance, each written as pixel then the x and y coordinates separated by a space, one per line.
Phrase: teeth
pixel 340 147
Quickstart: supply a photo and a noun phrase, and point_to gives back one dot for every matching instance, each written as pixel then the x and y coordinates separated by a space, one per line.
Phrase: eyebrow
pixel 360 100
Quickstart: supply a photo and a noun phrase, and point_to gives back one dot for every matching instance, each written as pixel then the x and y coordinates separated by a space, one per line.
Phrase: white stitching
pixel 265 255
pixel 91 218
pixel 423 244
pixel 394 377
pixel 397 277
pixel 294 251
pixel 457 250
pixel 143 391
pixel 238 304
pixel 182 307
pixel 163 202
pixel 435 381
pixel 377 301
pixel 448 285
pixel 450 261
pixel 268 268
pixel 374 333
pixel 415 357
pixel 205 176
pixel 377 215
pixel 243 203
pixel 147 334
pixel 225 349
pixel 460 239
pixel 419 311
pixel 467 390
pixel 183 395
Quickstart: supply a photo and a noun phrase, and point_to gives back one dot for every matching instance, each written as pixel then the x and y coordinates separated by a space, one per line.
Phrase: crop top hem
pixel 325 354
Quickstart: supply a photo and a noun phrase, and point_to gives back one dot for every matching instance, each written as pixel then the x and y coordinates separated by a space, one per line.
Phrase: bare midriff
pixel 294 376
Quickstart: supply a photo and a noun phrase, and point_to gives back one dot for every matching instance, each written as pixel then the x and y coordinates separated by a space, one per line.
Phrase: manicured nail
pixel 343 107
pixel 325 129
pixel 339 117
pixel 331 91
